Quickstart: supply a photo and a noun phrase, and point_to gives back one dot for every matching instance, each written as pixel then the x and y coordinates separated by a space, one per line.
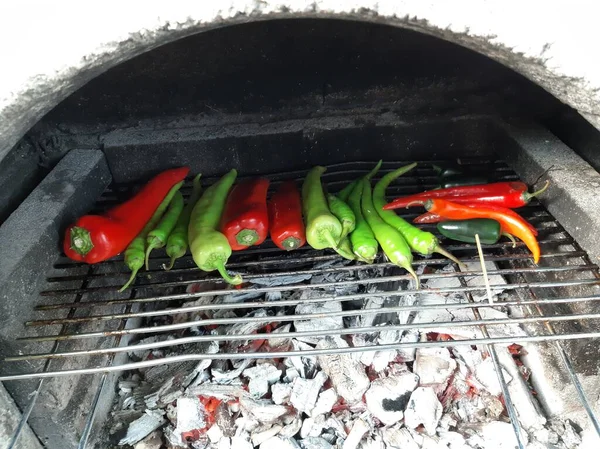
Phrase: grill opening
pixel 273 99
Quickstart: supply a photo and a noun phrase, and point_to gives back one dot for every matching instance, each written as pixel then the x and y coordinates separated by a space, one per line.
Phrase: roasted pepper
pixel 511 222
pixel 499 190
pixel 285 217
pixel 245 220
pixel 210 249
pixel 95 238
pixel 323 229
pixel 464 230
pixel 342 212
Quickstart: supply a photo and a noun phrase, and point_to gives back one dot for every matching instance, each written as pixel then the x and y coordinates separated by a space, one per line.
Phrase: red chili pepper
pixel 510 221
pixel 245 220
pixel 285 215
pixel 495 190
pixel 94 238
pixel 429 217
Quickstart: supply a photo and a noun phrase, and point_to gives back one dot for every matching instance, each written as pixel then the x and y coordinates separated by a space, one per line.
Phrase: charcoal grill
pixel 149 298
pixel 66 333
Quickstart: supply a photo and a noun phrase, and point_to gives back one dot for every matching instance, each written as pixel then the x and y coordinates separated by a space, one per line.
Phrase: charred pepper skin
pixel 245 220
pixel 95 238
pixel 210 248
pixel 285 217
pixel 177 243
pixel 323 229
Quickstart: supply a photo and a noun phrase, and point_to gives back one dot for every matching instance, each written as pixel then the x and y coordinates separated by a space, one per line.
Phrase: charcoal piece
pixel 423 408
pixel 263 410
pixel 434 366
pixel 387 398
pixel 325 402
pixel 314 443
pixel 142 427
pixel 261 376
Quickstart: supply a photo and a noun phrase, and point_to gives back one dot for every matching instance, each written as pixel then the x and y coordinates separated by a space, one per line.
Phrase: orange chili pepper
pixel 511 222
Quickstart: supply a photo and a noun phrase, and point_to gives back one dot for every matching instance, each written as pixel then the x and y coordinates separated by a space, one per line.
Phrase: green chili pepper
pixel 177 244
pixel 447 169
pixel 343 212
pixel 393 244
pixel 323 229
pixel 344 249
pixel 363 241
pixel 344 194
pixel 210 248
pixel 157 238
pixel 422 242
pixel 464 230
pixel 134 254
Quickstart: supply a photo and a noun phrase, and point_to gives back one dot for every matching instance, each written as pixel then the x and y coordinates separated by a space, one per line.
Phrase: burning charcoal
pixel 241 443
pixel 408 354
pixel 545 436
pixel 496 435
pixel 263 410
pixel 261 376
pixel 214 434
pixel 224 443
pixel 191 418
pixel 306 391
pixel 228 376
pixel 346 374
pixel 434 366
pixel 202 443
pixel 174 438
pixel 224 419
pixel 368 319
pixel 571 438
pixel 398 438
pixel 143 426
pixel 325 403
pixel 315 443
pixel 245 328
pixel 291 429
pixel 259 437
pixel 423 408
pixel 313 426
pixel 280 393
pixel 280 443
pixel 291 373
pixel 224 392
pixel 359 429
pixel 453 440
pixel 280 342
pixel 382 359
pixel 246 424
pixel 152 441
pixel 334 423
pixel 478 281
pixel 318 324
pixel 373 442
pixel 387 398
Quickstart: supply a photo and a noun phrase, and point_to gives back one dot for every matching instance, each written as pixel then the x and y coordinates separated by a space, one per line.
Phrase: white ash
pixel 478 281
pixel 275 281
pixel 261 376
pixel 315 443
pixel 305 365
pixel 359 429
pixel 224 392
pixel 174 438
pixel 306 391
pixel 229 376
pixel 259 437
pixel 280 443
pixel 423 408
pixel 191 417
pixel 317 324
pixel 281 393
pixel 143 426
pixel 347 374
pixel 399 437
pixel 408 354
pixel 291 429
pixel 496 435
pixel 387 398
pixel 280 342
pixel 241 443
pixel 214 434
pixel 434 366
pixel 325 402
pixel 368 319
pixel 263 410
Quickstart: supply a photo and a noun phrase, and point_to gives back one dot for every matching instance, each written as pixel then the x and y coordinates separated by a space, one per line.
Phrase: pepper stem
pixel 291 243
pixel 414 275
pixel 81 241
pixel 235 280
pixel 440 250
pixel 527 197
pixel 131 279
pixel 511 237
pixel 329 239
pixel 171 263
pixel 247 237
pixel 151 246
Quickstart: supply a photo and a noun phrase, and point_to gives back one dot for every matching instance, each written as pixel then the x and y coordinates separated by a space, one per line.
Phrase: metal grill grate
pixel 159 301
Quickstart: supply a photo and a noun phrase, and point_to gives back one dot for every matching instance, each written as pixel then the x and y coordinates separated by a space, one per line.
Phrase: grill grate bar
pixel 306 353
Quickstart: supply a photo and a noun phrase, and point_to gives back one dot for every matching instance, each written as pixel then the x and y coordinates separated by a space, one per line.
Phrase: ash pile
pixel 353 391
